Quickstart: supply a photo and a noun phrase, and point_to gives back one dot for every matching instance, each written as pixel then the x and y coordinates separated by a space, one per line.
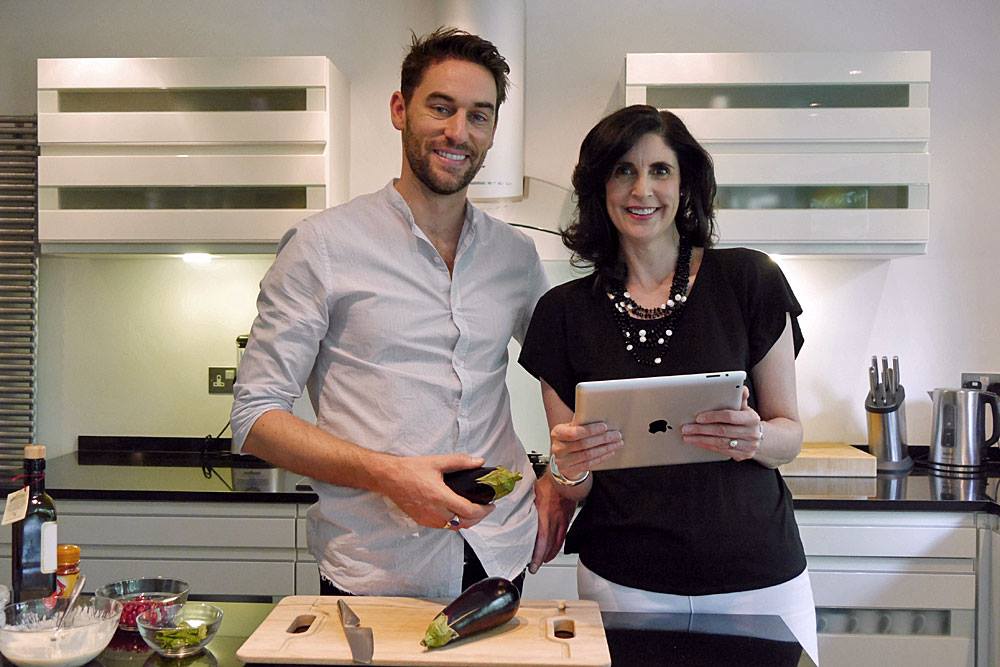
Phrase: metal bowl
pixel 138 595
pixel 179 630
pixel 26 636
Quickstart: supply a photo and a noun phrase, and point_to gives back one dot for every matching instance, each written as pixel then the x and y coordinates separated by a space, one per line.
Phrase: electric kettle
pixel 958 434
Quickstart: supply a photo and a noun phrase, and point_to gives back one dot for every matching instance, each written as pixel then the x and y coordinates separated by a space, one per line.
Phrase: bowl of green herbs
pixel 179 630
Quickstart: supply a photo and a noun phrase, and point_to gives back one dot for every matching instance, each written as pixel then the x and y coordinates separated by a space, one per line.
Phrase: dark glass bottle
pixel 35 541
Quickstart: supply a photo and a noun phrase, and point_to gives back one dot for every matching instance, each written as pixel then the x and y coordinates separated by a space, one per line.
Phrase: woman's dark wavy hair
pixel 446 44
pixel 591 236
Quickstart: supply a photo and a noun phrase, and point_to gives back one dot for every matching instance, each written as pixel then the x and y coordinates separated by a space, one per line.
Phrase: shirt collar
pixel 473 215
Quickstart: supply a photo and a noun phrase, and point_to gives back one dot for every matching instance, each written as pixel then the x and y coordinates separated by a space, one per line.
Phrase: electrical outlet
pixel 988 381
pixel 220 379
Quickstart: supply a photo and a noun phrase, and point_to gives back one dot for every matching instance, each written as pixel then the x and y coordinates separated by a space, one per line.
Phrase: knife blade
pixel 359 638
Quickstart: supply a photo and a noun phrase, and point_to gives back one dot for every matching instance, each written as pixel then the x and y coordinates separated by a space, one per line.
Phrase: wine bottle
pixel 34 543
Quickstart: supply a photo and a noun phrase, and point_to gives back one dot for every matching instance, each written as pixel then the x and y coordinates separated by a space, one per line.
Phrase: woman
pixel 714 537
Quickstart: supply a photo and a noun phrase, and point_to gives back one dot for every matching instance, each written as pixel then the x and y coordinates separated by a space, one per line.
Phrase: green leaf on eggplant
pixel 501 480
pixel 438 633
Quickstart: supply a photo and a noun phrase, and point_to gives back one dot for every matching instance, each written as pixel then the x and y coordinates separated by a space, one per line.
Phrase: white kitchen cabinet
pixel 815 153
pixel 555 580
pixel 989 592
pixel 159 154
pixel 894 588
pixel 306 570
pixel 239 549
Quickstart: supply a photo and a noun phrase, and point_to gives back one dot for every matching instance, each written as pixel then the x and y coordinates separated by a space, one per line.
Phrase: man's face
pixel 447 125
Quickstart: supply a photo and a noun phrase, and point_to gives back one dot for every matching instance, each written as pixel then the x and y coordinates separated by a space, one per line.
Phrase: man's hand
pixel 415 484
pixel 554 516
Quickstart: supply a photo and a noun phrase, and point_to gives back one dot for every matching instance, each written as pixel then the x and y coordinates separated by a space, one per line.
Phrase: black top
pixel 695 529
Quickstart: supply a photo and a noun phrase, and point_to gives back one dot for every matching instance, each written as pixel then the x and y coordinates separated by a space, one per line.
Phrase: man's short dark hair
pixel 452 44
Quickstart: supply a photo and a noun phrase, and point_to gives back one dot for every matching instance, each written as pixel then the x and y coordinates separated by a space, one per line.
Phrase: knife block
pixel 887 433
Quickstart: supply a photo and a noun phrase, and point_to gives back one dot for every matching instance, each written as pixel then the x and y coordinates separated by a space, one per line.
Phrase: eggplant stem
pixel 501 480
pixel 438 633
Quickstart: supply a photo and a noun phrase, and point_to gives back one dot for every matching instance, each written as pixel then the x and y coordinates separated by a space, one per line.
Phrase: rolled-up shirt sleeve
pixel 292 321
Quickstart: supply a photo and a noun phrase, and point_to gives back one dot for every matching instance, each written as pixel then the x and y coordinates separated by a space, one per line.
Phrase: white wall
pixel 938 312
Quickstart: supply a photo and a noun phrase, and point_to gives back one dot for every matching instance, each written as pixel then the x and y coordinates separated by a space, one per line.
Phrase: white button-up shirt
pixel 401 357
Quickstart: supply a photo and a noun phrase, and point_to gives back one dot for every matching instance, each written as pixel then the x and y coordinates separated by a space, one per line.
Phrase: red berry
pixel 132 608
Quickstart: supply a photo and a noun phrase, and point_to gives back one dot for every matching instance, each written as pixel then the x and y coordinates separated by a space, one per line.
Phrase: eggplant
pixel 486 604
pixel 482 485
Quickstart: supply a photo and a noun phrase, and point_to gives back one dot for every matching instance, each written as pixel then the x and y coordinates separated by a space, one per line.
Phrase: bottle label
pixel 49 548
pixel 65 583
pixel 17 507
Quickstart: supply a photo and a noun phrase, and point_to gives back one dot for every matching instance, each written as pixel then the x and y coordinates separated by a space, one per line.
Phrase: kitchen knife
pixel 358 638
pixel 886 380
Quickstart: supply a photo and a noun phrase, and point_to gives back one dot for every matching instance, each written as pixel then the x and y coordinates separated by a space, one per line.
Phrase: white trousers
pixel 792 601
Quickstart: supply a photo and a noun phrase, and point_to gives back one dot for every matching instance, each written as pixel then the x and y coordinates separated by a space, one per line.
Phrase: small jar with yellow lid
pixel 68 560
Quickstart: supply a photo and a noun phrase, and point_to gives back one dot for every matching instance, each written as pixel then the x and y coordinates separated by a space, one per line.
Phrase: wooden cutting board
pixel 830 459
pixel 307 630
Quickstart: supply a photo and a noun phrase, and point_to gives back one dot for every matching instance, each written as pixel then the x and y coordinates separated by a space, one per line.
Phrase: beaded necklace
pixel 647 331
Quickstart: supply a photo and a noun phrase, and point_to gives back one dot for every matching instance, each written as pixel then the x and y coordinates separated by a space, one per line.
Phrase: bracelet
pixel 556 475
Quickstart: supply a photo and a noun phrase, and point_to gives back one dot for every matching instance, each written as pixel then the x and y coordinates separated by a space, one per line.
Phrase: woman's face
pixel 643 191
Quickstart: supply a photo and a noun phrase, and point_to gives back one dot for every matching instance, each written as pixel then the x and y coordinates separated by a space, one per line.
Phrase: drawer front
pixel 226 532
pixel 238 578
pixel 888 541
pixel 894 590
pixel 891 651
pixel 306 579
pixel 551 582
pixel 300 534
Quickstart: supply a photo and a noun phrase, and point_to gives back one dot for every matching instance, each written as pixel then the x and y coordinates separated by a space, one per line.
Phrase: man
pixel 395 310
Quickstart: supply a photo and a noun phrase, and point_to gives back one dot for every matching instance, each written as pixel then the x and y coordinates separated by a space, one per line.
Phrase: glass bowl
pixel 179 630
pixel 138 595
pixel 28 627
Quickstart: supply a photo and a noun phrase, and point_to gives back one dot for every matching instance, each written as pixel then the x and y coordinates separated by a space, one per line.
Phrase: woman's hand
pixel 576 448
pixel 733 433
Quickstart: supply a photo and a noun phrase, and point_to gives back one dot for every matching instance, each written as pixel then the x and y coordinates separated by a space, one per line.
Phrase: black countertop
pixel 89 475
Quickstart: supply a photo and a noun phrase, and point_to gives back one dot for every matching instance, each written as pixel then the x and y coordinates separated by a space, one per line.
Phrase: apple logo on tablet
pixel 659 426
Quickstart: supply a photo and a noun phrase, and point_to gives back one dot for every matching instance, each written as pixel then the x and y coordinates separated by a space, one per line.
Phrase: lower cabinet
pixel 989 615
pixel 306 570
pixel 555 580
pixel 894 588
pixel 891 588
pixel 220 549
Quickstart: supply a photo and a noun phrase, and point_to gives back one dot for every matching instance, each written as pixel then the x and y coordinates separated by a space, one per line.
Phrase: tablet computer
pixel 649 412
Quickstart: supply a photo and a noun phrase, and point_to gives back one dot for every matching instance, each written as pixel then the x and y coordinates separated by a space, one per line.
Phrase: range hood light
pixel 196 258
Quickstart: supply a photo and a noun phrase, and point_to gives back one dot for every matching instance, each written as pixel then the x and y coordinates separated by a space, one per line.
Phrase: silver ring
pixel 733 443
pixel 453 522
